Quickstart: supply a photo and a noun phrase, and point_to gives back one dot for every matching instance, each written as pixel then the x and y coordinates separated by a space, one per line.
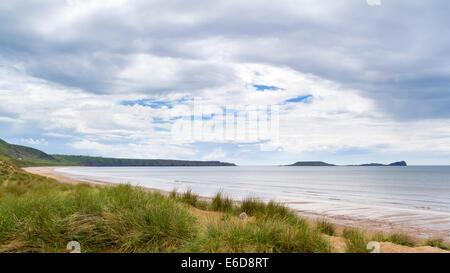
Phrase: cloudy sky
pixel 352 81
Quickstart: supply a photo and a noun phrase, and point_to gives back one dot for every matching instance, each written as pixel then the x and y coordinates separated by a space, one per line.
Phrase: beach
pixel 341 217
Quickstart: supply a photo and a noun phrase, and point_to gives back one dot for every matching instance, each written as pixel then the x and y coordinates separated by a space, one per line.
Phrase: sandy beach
pixel 60 177
pixel 51 173
pixel 341 221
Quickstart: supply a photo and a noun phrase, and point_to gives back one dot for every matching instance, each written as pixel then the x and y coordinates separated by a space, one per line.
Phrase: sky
pixel 249 82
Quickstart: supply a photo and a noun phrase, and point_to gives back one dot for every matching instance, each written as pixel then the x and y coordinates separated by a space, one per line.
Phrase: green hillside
pixel 25 156
pixel 105 161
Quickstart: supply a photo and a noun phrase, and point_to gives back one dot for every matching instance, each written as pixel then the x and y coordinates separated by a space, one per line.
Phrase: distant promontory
pixel 399 163
pixel 321 164
pixel 26 156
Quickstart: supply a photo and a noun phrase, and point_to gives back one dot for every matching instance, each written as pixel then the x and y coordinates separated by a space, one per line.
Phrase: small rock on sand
pixel 243 216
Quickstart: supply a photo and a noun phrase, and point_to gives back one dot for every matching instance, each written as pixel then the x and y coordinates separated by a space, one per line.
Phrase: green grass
pixel 437 242
pixel 261 235
pixel 38 214
pixel 400 239
pixel 25 156
pixel 251 206
pixel 325 227
pixel 379 237
pixel 189 198
pixel 221 203
pixel 395 238
pixel 113 219
pixel 41 215
pixel 355 241
pixel 259 209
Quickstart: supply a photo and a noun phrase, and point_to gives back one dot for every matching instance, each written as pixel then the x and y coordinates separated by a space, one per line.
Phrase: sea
pixel 413 198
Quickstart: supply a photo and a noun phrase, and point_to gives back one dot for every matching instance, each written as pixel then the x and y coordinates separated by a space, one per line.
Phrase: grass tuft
pixel 272 209
pixel 379 237
pixel 325 227
pixel 400 239
pixel 189 198
pixel 220 203
pixel 355 241
pixel 437 242
pixel 395 238
pixel 261 236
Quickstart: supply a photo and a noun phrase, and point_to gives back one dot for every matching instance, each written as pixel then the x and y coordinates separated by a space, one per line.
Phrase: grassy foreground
pixel 38 214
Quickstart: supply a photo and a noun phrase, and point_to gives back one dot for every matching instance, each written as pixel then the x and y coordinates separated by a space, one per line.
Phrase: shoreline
pixel 371 226
pixel 50 172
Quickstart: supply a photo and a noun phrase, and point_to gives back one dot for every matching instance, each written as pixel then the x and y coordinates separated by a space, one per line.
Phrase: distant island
pixel 311 163
pixel 25 157
pixel 399 163
pixel 321 164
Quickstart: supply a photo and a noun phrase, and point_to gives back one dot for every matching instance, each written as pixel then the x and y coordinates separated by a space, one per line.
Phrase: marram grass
pixel 111 219
pixel 325 227
pixel 260 235
pixel 437 242
pixel 355 241
pixel 38 214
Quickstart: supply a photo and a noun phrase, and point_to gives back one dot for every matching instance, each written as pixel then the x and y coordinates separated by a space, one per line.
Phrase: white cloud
pixel 374 81
pixel 216 154
pixel 143 149
pixel 31 141
pixel 336 118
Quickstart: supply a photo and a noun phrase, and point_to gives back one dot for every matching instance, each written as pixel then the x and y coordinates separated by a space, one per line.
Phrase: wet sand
pixel 384 220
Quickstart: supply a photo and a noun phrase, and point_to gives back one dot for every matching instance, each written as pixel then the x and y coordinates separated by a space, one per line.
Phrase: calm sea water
pixel 414 195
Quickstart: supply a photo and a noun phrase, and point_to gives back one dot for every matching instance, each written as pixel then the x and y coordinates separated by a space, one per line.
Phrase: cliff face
pixel 399 163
